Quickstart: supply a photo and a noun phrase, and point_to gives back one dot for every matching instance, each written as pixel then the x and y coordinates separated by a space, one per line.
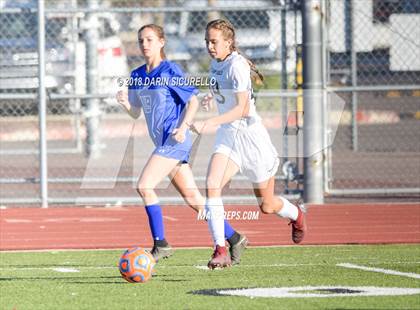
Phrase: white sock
pixel 288 210
pixel 215 220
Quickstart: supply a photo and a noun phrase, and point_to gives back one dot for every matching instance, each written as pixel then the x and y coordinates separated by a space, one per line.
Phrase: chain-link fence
pixel 94 153
pixel 373 65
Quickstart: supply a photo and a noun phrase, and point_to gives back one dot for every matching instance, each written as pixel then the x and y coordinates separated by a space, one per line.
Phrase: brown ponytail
pixel 228 32
pixel 158 30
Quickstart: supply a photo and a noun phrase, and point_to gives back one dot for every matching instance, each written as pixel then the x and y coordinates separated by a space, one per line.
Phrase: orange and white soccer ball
pixel 136 265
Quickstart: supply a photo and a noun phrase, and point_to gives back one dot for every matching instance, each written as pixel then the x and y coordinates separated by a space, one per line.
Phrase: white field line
pixel 65 270
pixel 381 270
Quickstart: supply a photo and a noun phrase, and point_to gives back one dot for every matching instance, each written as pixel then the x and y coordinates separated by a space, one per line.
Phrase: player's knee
pixel 144 191
pixel 194 198
pixel 266 207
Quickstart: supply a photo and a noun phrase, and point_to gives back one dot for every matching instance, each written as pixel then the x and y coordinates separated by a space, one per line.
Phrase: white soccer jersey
pixel 232 75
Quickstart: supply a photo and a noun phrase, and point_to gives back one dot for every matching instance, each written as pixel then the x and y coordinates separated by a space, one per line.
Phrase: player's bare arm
pixel 191 110
pixel 240 110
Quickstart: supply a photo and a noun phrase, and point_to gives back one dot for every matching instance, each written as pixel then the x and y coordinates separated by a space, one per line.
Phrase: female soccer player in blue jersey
pixel 242 142
pixel 169 108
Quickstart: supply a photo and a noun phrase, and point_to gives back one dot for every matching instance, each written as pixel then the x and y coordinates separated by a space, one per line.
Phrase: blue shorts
pixel 172 152
pixel 175 150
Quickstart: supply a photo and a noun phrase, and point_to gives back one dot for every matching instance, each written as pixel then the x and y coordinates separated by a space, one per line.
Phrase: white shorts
pixel 251 149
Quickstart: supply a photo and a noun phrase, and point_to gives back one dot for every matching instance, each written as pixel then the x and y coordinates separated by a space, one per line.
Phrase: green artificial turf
pixel 31 280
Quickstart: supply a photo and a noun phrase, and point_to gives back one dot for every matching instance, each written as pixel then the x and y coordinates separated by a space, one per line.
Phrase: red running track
pixel 122 227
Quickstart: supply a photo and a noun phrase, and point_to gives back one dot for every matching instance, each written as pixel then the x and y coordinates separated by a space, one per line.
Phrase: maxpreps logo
pixel 246 215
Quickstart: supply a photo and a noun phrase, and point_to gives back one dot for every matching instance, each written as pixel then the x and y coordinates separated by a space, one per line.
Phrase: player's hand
pixel 207 102
pixel 122 98
pixel 179 134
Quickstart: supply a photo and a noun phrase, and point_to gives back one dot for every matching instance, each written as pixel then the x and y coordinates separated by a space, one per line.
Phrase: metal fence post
pixel 92 104
pixel 351 51
pixel 354 96
pixel 284 101
pixel 42 107
pixel 312 84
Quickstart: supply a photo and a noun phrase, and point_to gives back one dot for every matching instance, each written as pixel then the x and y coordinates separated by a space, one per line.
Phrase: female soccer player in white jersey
pixel 169 108
pixel 242 142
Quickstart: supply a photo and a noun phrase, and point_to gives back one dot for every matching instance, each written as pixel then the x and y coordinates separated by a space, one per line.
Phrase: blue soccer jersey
pixel 163 96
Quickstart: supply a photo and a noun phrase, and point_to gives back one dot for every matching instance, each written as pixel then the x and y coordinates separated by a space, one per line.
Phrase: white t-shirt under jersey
pixel 232 76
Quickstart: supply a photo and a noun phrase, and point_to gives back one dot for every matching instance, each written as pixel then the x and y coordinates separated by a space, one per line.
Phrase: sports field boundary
pixel 117 228
pixel 380 270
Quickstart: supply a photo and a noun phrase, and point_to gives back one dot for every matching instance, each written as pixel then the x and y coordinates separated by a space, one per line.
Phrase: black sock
pixel 234 239
pixel 160 243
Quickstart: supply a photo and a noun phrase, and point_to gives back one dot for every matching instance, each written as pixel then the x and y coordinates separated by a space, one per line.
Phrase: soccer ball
pixel 136 265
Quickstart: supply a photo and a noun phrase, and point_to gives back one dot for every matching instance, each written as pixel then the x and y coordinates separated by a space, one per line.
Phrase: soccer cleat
pixel 237 249
pixel 159 252
pixel 220 258
pixel 299 226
